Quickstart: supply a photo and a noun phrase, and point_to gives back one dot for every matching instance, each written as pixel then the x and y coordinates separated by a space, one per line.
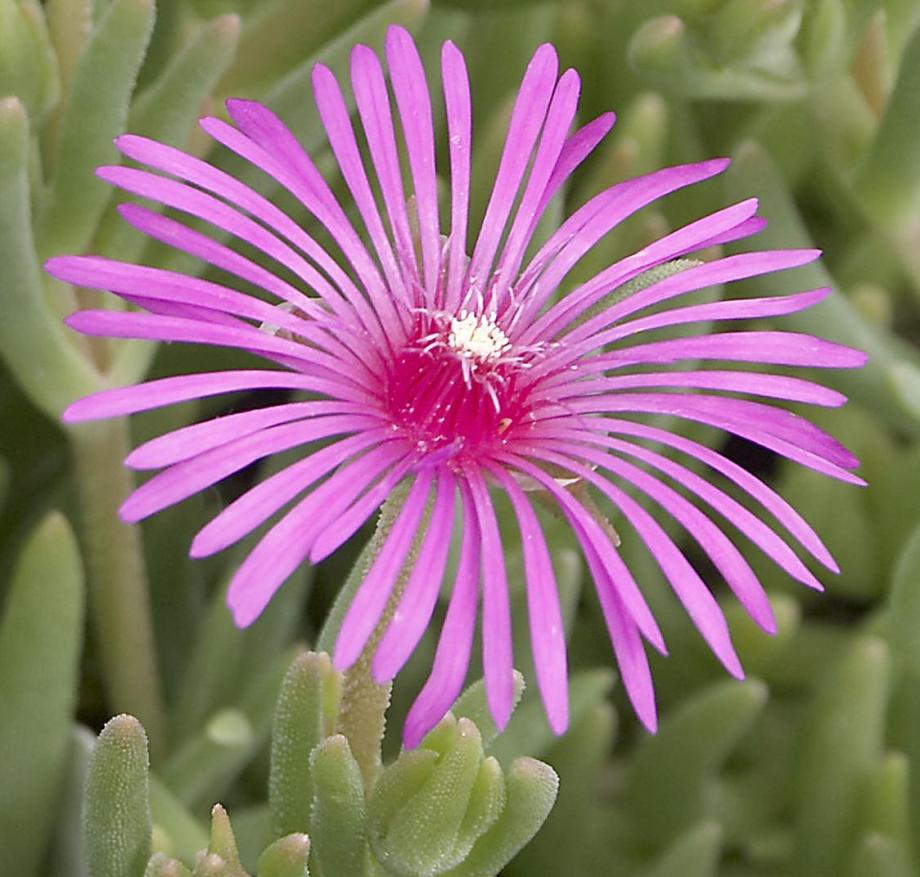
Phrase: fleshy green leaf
pixel 170 818
pixel 32 341
pixel 472 704
pixel 839 748
pixel 96 112
pixel 305 704
pixel 531 788
pixel 117 807
pixel 68 850
pixel 528 730
pixel 40 644
pixel 672 771
pixel 167 111
pixel 337 820
pixel 28 66
pixel 288 857
pixel 695 853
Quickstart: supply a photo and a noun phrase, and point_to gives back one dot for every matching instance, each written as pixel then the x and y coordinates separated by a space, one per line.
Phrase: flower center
pixel 478 339
pixel 457 386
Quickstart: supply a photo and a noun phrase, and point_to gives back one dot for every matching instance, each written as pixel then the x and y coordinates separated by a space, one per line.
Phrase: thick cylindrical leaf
pixel 287 857
pixel 301 719
pixel 40 643
pixel 96 112
pixel 117 806
pixel 337 822
pixel 573 837
pixel 185 834
pixel 531 787
pixel 672 771
pixel 695 853
pixel 472 704
pixel 420 835
pixel 28 67
pixel 841 744
pixel 33 343
pixel 167 111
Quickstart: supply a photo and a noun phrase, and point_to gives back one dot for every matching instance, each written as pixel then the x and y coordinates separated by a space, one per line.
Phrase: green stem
pixel 117 576
pixel 363 706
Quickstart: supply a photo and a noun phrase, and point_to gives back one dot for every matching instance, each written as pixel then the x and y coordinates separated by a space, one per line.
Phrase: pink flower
pixel 458 374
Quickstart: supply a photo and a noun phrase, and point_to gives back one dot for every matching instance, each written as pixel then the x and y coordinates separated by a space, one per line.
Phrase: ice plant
pixel 448 363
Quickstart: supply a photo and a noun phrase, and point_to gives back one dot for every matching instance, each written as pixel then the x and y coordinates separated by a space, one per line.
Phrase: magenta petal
pixel 184 479
pixel 547 634
pixel 182 388
pixel 277 555
pixel 452 658
pixel 417 603
pixel 371 598
pixel 497 659
pixel 259 503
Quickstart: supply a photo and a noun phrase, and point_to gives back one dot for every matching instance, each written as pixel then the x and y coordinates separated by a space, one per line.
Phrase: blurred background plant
pixel 810 767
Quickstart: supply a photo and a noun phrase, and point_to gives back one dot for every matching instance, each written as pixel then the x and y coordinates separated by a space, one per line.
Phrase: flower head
pixel 447 362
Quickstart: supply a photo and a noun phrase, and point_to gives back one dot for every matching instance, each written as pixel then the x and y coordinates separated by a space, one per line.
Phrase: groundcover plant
pixel 449 302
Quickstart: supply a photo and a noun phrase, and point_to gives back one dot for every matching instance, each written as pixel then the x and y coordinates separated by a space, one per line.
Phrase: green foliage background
pixel 810 767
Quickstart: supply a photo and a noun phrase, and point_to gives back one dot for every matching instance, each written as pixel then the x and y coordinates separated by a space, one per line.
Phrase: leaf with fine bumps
pixel 117 808
pixel 40 643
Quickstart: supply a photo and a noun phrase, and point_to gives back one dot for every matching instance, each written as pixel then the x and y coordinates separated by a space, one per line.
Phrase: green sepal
pixel 95 113
pixel 40 643
pixel 672 773
pixel 34 344
pixel 163 866
pixel 337 821
pixel 167 111
pixel 304 714
pixel 473 705
pixel 531 788
pixel 28 65
pixel 222 841
pixel 117 804
pixel 840 745
pixel 421 835
pixel 695 853
pixel 288 857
